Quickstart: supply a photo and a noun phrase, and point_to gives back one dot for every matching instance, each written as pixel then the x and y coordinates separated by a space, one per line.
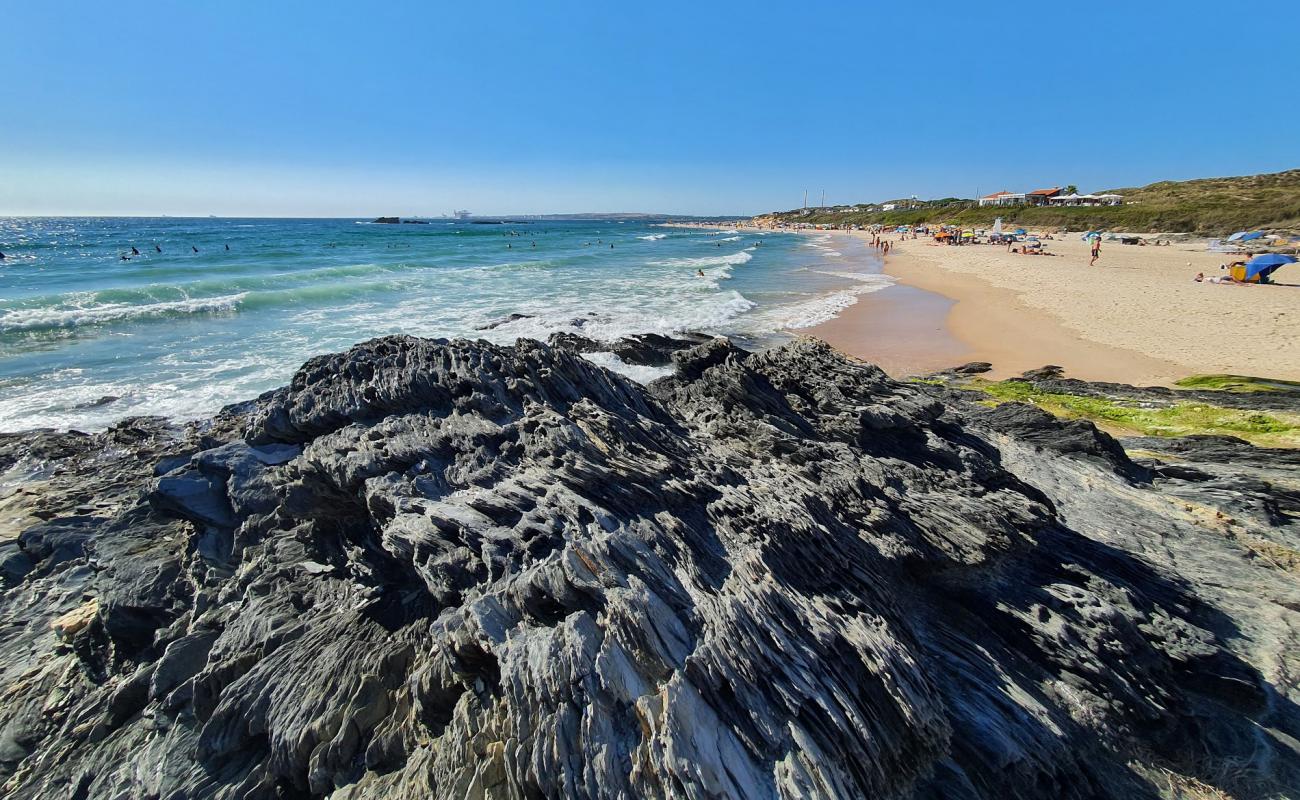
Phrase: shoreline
pixel 1014 337
pixel 1136 317
pixel 990 324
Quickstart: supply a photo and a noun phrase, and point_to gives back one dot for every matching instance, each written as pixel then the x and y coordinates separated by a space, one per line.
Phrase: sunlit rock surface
pixel 429 569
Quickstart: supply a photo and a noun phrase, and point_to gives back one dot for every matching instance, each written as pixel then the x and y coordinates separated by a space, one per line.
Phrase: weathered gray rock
pixel 646 349
pixel 452 569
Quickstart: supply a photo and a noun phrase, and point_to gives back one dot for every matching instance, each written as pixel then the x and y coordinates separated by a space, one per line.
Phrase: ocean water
pixel 87 338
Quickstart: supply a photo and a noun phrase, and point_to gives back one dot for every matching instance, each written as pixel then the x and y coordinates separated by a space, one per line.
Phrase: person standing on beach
pixel 1096 250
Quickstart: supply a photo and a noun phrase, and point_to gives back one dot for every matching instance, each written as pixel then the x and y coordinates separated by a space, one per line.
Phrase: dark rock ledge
pixel 451 569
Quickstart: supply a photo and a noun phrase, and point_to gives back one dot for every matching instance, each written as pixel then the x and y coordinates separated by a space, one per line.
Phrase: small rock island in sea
pixel 429 569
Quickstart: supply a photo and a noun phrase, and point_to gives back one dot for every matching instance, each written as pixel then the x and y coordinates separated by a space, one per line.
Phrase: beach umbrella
pixel 1091 235
pixel 1244 236
pixel 1020 231
pixel 1264 265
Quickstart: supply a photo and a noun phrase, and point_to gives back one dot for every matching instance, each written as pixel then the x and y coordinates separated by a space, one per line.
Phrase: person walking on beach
pixel 1096 250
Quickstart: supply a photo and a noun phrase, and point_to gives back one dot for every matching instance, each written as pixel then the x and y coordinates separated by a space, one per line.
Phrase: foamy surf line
pixel 35 319
pixel 827 307
pixel 732 259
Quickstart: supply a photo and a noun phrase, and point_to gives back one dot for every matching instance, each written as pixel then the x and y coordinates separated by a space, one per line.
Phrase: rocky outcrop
pixel 453 569
pixel 386 220
pixel 645 349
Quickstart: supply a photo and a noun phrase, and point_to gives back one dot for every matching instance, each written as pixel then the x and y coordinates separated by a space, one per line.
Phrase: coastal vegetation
pixel 1237 383
pixel 1179 418
pixel 1208 206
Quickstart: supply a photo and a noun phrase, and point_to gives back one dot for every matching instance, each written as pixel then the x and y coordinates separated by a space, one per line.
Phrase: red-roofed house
pixel 1039 197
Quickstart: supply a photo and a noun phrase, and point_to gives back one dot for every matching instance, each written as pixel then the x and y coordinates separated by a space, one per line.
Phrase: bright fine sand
pixel 1136 317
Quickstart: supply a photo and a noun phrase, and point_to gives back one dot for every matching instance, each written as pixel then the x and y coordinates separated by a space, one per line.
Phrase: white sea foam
pixel 730 239
pixel 30 319
pixel 637 372
pixel 654 237
pixel 733 259
pixel 824 307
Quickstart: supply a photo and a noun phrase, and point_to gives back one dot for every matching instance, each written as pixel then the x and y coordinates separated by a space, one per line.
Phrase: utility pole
pixel 823 205
pixel 805 199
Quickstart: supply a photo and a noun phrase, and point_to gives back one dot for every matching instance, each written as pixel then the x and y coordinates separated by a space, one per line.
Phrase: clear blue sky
pixel 333 109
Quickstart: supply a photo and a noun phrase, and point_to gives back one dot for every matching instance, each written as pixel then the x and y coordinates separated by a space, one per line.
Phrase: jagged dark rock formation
pixel 431 569
pixel 646 349
pixel 503 321
pixel 386 220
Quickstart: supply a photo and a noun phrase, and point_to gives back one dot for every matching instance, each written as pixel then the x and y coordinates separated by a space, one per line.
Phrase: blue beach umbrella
pixel 1091 235
pixel 1020 231
pixel 1244 236
pixel 1264 265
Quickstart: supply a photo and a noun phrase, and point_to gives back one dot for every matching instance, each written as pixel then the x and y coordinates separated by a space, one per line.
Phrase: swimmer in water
pixel 2 256
pixel 699 273
pixel 157 249
pixel 135 252
pixel 195 249
pixel 227 247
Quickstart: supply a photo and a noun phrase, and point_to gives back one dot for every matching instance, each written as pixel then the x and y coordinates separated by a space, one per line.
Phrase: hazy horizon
pixel 243 110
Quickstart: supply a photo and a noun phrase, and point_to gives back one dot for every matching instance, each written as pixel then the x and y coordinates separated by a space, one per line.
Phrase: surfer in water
pixel 134 252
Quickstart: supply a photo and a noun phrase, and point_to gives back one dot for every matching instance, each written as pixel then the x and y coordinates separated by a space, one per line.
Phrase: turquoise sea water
pixel 181 333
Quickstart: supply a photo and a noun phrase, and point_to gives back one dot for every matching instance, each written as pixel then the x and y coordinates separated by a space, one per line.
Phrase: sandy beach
pixel 1136 317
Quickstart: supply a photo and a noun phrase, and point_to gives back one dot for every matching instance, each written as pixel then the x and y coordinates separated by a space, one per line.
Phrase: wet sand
pixel 902 329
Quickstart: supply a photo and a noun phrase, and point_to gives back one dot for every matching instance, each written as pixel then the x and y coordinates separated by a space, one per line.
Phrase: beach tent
pixel 997 226
pixel 1245 236
pixel 1264 265
pixel 1020 231
pixel 1091 235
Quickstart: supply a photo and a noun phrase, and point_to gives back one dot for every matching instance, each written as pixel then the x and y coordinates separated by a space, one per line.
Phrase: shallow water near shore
pixel 186 326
